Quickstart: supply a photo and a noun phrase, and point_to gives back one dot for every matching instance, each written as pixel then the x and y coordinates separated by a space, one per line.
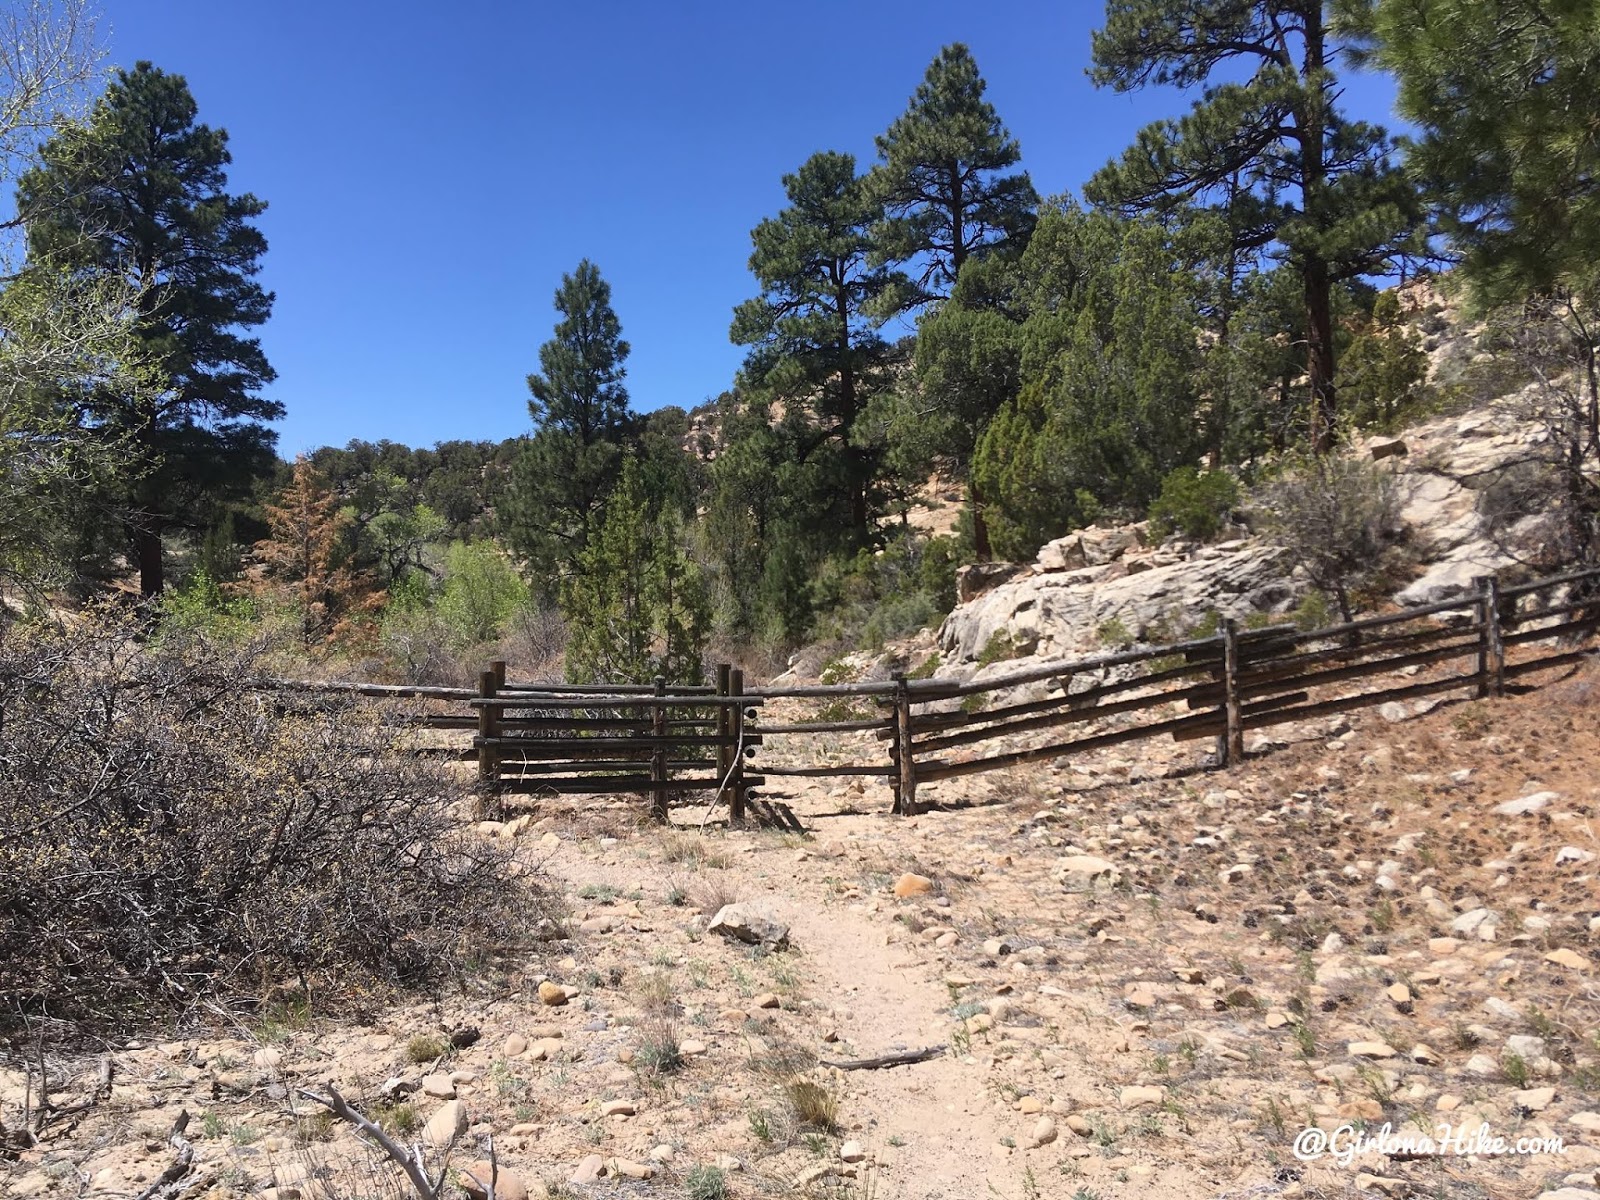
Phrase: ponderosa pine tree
pixel 945 181
pixel 1328 198
pixel 142 194
pixel 1506 96
pixel 581 423
pixel 813 331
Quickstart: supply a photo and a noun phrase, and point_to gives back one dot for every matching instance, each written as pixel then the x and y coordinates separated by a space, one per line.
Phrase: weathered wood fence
pixel 659 741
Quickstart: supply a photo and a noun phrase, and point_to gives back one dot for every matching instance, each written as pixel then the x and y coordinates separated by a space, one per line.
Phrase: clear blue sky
pixel 433 169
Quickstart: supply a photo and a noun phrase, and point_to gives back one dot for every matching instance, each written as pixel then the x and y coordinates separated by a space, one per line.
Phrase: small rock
pixel 1138 1097
pixel 438 1086
pixel 661 1153
pixel 909 885
pixel 1079 1125
pixel 736 922
pixel 1568 958
pixel 589 1170
pixel 1423 1053
pixel 553 994
pixel 1370 1050
pixel 1526 804
pixel 516 1045
pixel 633 1170
pixel 1534 1099
pixel 446 1124
pixel 852 1152
pixel 268 1058
pixel 765 1000
pixel 1399 993
pixel 1044 1132
pixel 618 1108
pixel 475 1178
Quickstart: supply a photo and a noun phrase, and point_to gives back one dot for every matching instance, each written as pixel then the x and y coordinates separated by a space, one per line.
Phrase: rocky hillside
pixel 1099 582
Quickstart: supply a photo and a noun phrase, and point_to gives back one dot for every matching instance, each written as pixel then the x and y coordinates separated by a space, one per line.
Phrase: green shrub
pixel 200 606
pixel 1193 503
pixel 481 593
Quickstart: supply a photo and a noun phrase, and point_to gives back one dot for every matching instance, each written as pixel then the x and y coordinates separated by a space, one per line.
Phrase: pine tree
pixel 1323 192
pixel 1505 94
pixel 635 603
pixel 143 194
pixel 813 331
pixel 943 181
pixel 305 553
pixel 580 413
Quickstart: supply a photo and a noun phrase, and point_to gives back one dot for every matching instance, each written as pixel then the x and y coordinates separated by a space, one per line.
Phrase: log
pixel 884 1060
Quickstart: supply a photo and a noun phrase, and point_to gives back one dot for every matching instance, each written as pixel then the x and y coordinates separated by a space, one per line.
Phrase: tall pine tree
pixel 1324 192
pixel 946 181
pixel 143 194
pixel 813 331
pixel 581 422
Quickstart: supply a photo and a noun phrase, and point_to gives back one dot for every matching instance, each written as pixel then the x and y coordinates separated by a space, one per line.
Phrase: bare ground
pixel 1161 1022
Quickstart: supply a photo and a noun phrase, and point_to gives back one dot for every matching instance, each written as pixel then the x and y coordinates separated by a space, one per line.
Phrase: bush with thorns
pixel 170 837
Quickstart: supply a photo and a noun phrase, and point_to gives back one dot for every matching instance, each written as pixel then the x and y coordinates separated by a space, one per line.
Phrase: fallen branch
pixel 179 1167
pixel 887 1060
pixel 411 1164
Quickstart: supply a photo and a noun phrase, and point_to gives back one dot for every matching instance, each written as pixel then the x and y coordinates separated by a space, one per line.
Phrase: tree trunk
pixel 1319 355
pixel 1314 268
pixel 981 550
pixel 147 551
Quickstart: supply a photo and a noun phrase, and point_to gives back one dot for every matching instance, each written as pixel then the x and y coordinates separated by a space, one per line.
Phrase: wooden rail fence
pixel 662 741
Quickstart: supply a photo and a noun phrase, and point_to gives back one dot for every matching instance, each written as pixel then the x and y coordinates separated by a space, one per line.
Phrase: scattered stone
pixel 736 922
pixel 1394 712
pixel 1568 958
pixel 1399 993
pixel 618 1108
pixel 1424 1054
pixel 909 885
pixel 1079 1125
pixel 589 1170
pixel 633 1170
pixel 269 1058
pixel 438 1086
pixel 1370 1050
pixel 552 993
pixel 1387 447
pixel 1085 870
pixel 1044 1132
pixel 1575 855
pixel 1526 804
pixel 1138 1097
pixel 1029 1105
pixel 516 1046
pixel 661 1153
pixel 852 1152
pixel 765 1000
pixel 1534 1099
pixel 446 1124
pixel 475 1178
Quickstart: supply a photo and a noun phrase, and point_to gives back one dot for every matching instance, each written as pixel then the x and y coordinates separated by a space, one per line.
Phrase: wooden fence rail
pixel 658 741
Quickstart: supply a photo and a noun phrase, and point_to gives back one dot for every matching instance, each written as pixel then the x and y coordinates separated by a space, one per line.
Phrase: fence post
pixel 1494 637
pixel 488 727
pixel 658 759
pixel 498 666
pixel 1234 749
pixel 724 723
pixel 736 735
pixel 905 756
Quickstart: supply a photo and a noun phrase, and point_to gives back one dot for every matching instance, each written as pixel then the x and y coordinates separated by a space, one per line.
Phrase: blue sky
pixel 433 169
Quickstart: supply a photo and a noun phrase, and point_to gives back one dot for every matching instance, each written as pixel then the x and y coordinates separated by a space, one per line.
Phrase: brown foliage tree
pixel 306 554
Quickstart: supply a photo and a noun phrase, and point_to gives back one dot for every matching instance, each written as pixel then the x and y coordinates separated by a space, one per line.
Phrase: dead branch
pixel 411 1164
pixel 887 1060
pixel 179 1166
